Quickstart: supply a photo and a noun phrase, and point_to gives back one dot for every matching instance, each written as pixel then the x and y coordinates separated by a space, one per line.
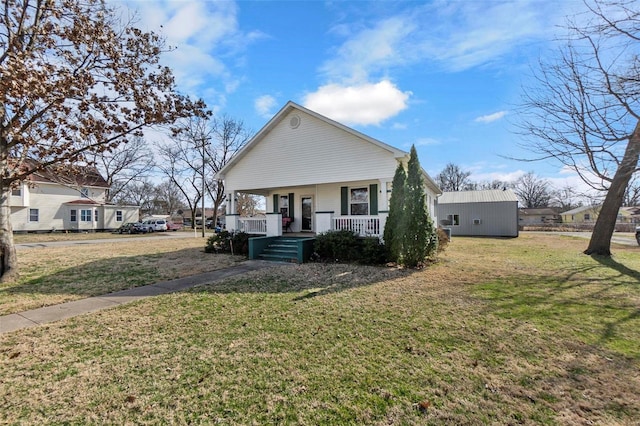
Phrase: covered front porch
pixel 359 207
pixel 275 224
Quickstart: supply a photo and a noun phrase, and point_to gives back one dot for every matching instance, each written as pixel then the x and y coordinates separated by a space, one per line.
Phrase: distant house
pixel 317 175
pixel 538 216
pixel 581 215
pixel 491 212
pixel 629 214
pixel 59 201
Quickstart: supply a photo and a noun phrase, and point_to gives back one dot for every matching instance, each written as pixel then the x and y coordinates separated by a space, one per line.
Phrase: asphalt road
pixel 625 238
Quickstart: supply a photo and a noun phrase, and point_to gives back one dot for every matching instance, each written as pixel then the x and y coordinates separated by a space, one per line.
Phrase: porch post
pixel 231 203
pixel 382 216
pixel 233 222
pixel 324 221
pixel 274 224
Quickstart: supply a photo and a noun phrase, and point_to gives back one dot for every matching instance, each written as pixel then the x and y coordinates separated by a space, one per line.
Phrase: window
pixel 454 219
pixel 34 215
pixel 118 215
pixel 284 205
pixel 95 215
pixel 74 215
pixel 84 192
pixel 587 216
pixel 16 192
pixel 359 201
pixel 85 215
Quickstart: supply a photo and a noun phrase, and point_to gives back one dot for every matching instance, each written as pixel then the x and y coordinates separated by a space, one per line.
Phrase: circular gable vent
pixel 294 121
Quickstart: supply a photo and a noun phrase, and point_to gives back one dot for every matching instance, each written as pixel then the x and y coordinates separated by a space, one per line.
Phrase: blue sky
pixel 443 75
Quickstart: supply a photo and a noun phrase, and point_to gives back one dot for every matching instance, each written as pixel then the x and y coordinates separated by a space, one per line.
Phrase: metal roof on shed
pixel 485 196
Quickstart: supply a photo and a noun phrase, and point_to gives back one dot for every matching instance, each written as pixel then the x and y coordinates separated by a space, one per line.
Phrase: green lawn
pixel 499 331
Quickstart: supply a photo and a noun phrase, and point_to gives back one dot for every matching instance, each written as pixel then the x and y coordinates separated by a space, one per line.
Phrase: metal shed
pixel 492 213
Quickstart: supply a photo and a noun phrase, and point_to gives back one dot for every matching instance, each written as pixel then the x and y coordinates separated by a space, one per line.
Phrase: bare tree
pixel 168 198
pixel 200 148
pixel 247 204
pixel 584 110
pixel 565 199
pixel 75 81
pixel 452 178
pixel 139 193
pixel 179 165
pixel 229 136
pixel 532 191
pixel 129 162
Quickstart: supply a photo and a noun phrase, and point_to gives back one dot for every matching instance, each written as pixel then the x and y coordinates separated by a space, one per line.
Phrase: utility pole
pixel 203 215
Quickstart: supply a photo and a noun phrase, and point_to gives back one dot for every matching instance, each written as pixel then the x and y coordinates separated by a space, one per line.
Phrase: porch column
pixel 382 216
pixel 231 203
pixel 232 222
pixel 274 224
pixel 324 221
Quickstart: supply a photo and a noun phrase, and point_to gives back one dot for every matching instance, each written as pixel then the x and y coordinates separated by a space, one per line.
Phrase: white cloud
pixel 363 104
pixel 264 105
pixel 201 33
pixel 426 142
pixel 491 117
pixel 369 50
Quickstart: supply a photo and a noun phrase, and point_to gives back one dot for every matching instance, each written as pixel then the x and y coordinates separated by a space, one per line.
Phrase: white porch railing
pixel 364 226
pixel 252 225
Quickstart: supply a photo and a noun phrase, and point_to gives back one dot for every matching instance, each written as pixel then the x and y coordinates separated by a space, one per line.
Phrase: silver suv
pixel 638 234
pixel 153 225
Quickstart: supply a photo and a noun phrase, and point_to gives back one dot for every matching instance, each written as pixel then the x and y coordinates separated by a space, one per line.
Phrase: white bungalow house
pixel 50 202
pixel 317 175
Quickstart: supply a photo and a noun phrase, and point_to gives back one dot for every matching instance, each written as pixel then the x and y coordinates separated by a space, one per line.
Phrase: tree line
pixel 532 190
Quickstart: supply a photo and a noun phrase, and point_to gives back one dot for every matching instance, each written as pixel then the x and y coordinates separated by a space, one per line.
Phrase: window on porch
pixel 359 201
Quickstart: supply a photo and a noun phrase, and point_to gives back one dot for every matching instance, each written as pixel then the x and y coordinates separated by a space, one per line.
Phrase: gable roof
pixel 484 196
pixel 69 175
pixel 538 211
pixel 582 209
pixel 292 106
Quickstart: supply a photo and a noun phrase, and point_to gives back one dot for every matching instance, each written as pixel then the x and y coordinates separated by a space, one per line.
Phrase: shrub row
pixel 228 242
pixel 346 246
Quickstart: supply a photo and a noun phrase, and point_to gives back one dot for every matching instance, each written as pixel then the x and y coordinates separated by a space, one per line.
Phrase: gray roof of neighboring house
pixel 581 209
pixel 484 196
pixel 538 211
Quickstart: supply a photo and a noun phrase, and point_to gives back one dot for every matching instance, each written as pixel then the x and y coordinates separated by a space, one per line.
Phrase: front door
pixel 307 214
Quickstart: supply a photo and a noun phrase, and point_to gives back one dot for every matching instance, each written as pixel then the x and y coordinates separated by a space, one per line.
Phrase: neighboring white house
pixel 48 202
pixel 321 174
pixel 491 212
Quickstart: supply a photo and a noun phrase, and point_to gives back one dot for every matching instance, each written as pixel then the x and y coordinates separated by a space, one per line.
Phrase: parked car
pixel 132 228
pixel 173 226
pixel 153 225
pixel 638 234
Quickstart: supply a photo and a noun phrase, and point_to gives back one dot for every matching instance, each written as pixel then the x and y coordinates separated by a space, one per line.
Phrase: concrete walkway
pixel 54 313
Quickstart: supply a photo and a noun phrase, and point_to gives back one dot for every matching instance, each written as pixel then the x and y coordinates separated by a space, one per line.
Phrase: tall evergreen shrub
pixel 392 231
pixel 419 236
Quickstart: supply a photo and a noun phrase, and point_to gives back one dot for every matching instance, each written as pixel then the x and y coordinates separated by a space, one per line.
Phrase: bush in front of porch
pixel 228 242
pixel 347 246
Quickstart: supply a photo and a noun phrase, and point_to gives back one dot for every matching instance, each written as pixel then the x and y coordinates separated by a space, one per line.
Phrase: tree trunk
pixel 8 257
pixel 600 243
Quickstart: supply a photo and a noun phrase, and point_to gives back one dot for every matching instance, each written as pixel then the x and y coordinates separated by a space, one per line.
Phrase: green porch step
pixel 282 250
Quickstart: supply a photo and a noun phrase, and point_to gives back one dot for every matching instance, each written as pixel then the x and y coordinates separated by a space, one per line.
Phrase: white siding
pixel 315 152
pixel 53 213
pixel 326 198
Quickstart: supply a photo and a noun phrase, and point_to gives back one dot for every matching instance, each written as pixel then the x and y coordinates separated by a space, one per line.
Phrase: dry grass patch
pixel 515 331
pixel 55 275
